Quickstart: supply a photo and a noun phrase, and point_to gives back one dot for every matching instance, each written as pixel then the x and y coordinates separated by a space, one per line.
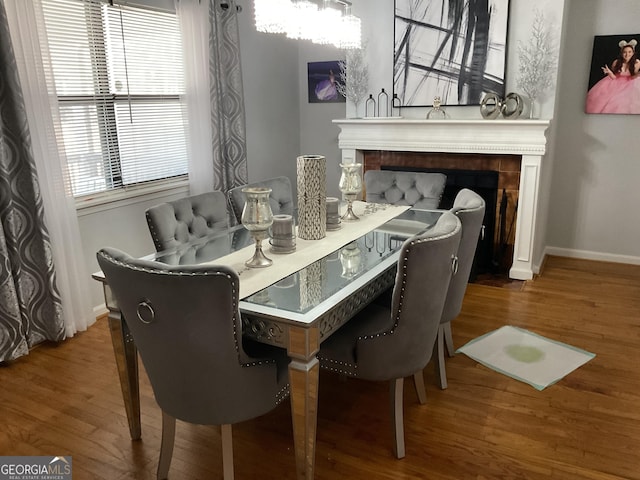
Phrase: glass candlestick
pixel 370 107
pixel 350 185
pixel 396 105
pixel 383 104
pixel 257 217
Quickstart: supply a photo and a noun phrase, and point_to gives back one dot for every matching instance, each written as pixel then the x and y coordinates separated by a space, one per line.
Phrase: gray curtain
pixel 227 98
pixel 30 305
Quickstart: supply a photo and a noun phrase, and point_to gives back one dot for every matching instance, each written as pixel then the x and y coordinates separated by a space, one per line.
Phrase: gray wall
pixel 318 136
pixel 594 188
pixel 270 78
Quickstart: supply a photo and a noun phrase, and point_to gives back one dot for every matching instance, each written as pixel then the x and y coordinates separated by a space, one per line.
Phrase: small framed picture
pixel 614 79
pixel 323 78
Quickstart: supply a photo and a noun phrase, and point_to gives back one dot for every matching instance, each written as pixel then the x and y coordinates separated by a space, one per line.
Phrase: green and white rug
pixel 526 356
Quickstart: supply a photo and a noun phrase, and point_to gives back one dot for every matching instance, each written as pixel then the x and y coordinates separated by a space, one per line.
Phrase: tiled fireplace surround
pixel 513 148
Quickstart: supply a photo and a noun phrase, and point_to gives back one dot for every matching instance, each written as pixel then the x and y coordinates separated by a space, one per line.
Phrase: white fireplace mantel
pixel 509 137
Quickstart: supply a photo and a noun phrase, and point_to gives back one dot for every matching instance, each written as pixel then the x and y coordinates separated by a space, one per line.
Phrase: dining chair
pixel 389 343
pixel 180 221
pixel 469 207
pixel 186 325
pixel 280 198
pixel 419 189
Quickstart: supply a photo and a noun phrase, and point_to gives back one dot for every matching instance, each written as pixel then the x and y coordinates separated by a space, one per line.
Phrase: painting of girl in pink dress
pixel 616 87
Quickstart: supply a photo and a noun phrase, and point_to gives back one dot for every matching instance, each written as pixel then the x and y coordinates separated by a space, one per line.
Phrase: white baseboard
pixel 589 255
pixel 100 310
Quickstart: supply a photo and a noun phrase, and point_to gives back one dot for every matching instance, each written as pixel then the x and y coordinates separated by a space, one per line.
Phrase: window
pixel 118 76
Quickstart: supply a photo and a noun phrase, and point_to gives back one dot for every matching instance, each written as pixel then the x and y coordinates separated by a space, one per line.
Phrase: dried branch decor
pixel 354 76
pixel 537 58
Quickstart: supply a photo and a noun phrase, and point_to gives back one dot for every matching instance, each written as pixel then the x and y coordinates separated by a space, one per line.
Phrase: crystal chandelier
pixel 331 24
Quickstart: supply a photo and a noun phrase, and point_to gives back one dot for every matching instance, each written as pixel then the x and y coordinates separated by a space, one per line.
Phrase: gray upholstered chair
pixel 418 189
pixel 392 342
pixel 280 198
pixel 187 328
pixel 178 222
pixel 469 207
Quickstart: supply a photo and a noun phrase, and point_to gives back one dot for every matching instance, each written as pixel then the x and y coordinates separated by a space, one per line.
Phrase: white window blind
pixel 118 75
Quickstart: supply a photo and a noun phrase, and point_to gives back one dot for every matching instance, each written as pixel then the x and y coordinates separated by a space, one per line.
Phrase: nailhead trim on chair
pixel 282 394
pixel 335 365
pixel 404 282
pixel 154 233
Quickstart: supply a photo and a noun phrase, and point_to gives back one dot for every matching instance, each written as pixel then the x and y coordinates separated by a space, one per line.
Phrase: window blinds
pixel 118 76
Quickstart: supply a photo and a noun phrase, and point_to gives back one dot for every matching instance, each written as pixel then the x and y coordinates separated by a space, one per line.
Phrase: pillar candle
pixel 282 226
pixel 332 206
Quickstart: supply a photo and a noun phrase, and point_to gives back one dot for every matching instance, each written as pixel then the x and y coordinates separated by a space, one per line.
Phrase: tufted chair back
pixel 178 222
pixel 418 189
pixel 280 198
pixel 185 323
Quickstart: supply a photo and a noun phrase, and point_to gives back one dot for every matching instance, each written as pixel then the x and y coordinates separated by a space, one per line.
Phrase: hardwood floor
pixel 65 400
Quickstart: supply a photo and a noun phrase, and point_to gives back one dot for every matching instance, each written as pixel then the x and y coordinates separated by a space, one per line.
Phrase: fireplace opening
pixel 485 184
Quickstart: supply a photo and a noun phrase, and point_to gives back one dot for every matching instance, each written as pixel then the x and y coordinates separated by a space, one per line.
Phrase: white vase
pixel 534 108
pixel 312 196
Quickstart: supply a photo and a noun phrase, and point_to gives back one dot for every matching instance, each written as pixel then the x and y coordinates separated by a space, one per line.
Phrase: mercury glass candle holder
pixel 351 186
pixel 257 217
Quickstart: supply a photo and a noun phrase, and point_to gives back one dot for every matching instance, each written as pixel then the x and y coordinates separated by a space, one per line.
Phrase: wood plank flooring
pixel 65 400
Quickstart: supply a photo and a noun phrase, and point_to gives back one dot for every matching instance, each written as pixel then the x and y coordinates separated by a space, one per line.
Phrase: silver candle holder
pixel 350 185
pixel 257 217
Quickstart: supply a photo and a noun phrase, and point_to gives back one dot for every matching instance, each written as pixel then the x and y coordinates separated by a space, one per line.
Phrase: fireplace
pixel 487 176
pixel 487 258
pixel 513 148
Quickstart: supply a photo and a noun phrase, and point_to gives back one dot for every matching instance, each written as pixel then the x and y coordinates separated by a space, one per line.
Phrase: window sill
pixel 110 200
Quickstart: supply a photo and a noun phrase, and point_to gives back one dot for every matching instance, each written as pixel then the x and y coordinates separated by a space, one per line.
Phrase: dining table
pixel 296 303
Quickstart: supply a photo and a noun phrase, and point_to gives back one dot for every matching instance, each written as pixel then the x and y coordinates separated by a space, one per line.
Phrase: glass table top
pixel 320 283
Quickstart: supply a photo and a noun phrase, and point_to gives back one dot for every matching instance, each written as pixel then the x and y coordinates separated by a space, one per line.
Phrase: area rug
pixel 526 356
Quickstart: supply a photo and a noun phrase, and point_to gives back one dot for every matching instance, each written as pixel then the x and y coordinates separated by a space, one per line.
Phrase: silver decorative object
pixel 538 60
pixel 437 112
pixel 350 185
pixel 354 76
pixel 257 217
pixel 312 188
pixel 512 106
pixel 490 106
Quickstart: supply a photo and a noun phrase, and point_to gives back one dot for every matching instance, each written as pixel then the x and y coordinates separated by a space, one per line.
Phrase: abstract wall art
pixel 452 49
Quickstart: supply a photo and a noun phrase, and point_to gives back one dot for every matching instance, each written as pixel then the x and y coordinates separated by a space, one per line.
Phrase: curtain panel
pixel 214 95
pixel 227 98
pixel 30 304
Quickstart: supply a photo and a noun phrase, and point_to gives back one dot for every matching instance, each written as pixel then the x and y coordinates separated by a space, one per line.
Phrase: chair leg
pixel 166 445
pixel 441 371
pixel 397 416
pixel 448 338
pixel 227 451
pixel 418 381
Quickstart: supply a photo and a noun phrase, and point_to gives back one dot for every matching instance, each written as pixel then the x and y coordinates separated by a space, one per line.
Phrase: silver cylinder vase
pixel 312 188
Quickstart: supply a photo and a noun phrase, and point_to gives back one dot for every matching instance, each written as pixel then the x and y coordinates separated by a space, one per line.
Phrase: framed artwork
pixel 322 78
pixel 613 84
pixel 452 49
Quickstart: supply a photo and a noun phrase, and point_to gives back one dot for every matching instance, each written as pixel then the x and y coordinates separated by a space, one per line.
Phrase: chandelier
pixel 331 24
